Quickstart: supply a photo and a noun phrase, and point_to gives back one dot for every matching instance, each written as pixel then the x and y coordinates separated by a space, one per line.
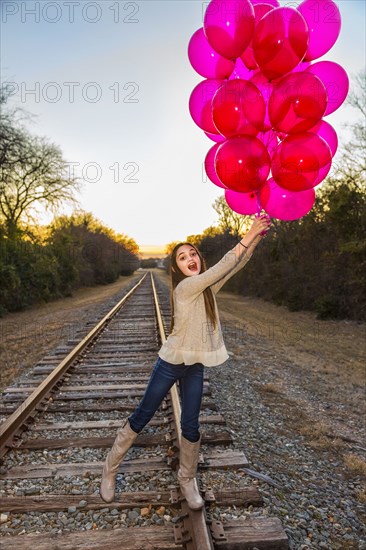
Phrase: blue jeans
pixel 162 378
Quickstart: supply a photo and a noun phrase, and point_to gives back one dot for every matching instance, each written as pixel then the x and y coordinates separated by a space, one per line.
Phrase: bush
pixel 327 307
pixel 74 255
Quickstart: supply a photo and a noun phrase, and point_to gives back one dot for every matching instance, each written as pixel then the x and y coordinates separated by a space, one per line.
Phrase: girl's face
pixel 188 260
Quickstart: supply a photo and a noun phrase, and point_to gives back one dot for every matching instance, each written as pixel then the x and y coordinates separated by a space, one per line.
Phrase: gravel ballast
pixel 318 499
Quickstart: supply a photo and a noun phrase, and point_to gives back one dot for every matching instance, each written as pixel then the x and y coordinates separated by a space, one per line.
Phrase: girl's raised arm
pixel 190 287
pixel 216 286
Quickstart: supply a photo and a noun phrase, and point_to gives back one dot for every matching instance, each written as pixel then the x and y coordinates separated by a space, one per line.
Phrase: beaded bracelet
pixel 243 244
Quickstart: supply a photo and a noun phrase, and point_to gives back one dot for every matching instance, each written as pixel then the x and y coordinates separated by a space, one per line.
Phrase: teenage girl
pixel 195 341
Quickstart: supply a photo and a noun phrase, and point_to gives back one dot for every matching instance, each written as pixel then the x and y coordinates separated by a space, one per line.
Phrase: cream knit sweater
pixel 193 339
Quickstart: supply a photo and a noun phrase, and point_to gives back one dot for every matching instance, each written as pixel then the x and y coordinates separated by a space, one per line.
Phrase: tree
pixel 90 222
pixel 33 173
pixel 352 165
pixel 89 252
pixel 11 130
pixel 228 219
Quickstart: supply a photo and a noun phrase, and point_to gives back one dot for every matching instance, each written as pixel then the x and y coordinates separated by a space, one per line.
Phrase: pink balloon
pixel 335 80
pixel 240 71
pixel 218 138
pixel 238 108
pixel 242 163
pixel 210 166
pixel 324 22
pixel 273 3
pixel 242 203
pixel 280 41
pixel 301 67
pixel 229 26
pixel 298 159
pixel 247 56
pixel 266 89
pixel 284 204
pixel 205 60
pixel 297 103
pixel 328 133
pixel 200 104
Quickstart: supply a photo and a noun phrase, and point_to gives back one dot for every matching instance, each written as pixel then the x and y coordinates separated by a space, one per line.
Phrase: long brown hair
pixel 177 276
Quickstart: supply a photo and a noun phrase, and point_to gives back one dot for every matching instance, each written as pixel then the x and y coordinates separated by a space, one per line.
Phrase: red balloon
pixel 242 163
pixel 323 172
pixel 205 60
pixel 210 166
pixel 280 41
pixel 297 103
pixel 229 26
pixel 298 160
pixel 200 104
pixel 238 109
pixel 247 56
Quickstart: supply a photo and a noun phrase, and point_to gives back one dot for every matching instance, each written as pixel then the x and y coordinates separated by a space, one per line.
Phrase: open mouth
pixel 192 267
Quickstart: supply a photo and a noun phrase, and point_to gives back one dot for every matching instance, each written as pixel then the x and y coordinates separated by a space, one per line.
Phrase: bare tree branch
pixel 32 172
pixel 228 219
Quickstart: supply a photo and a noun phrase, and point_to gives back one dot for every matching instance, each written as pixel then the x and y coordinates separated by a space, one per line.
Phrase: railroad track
pixel 59 421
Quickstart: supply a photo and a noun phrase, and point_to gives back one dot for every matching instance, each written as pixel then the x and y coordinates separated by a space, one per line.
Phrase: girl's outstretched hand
pixel 260 225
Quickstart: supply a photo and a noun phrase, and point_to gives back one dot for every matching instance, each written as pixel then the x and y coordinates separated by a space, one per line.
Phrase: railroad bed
pixel 59 421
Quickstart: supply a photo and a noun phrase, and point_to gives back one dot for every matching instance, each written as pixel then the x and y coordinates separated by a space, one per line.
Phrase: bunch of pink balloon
pixel 262 101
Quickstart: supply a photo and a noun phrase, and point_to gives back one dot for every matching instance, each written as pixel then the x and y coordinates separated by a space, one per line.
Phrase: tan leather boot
pixel 189 453
pixel 125 438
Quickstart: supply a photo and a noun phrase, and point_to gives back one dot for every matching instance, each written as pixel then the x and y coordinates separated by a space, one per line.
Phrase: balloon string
pixel 258 213
pixel 258 204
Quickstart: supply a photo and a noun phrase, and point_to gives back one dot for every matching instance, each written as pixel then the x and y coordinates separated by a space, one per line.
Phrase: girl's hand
pixel 261 225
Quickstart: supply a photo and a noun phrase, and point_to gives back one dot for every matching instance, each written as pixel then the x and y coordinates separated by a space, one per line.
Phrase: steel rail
pixel 200 532
pixel 10 426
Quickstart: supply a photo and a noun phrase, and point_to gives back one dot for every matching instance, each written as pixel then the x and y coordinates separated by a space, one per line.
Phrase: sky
pixel 109 83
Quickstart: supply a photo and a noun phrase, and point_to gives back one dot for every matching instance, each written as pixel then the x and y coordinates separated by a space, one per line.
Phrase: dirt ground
pixel 27 336
pixel 319 366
